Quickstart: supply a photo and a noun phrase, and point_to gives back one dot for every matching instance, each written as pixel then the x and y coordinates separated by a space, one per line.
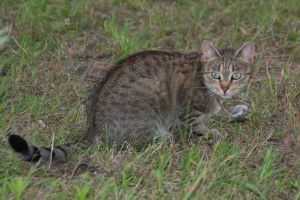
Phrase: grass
pixel 57 49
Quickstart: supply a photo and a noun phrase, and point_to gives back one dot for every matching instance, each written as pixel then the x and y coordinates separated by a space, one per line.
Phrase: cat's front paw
pixel 213 134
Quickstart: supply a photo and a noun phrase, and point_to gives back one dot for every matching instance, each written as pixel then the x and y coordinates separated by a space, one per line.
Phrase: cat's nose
pixel 225 86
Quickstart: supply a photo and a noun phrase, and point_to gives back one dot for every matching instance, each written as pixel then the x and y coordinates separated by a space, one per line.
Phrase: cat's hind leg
pixel 164 133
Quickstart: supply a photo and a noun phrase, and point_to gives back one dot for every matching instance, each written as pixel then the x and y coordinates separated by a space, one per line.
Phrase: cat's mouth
pixel 225 96
pixel 222 94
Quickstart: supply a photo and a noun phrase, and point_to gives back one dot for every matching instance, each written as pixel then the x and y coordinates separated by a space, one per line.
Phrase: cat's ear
pixel 246 52
pixel 209 51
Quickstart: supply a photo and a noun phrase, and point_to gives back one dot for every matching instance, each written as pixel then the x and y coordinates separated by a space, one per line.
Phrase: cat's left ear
pixel 246 52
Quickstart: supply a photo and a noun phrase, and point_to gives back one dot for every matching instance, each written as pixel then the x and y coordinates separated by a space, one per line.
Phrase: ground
pixel 58 48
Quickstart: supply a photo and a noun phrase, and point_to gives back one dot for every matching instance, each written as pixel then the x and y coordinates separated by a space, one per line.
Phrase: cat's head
pixel 227 70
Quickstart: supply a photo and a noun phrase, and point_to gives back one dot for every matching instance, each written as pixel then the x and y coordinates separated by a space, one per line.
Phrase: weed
pixel 17 187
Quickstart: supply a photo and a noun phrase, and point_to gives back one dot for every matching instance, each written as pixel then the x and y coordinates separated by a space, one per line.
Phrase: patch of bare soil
pixel 88 64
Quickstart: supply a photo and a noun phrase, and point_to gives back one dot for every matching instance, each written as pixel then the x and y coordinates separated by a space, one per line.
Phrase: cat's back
pixel 140 67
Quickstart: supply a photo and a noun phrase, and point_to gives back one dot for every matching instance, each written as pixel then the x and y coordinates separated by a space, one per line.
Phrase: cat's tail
pixel 31 153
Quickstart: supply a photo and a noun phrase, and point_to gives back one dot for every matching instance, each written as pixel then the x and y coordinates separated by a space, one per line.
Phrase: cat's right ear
pixel 246 52
pixel 209 51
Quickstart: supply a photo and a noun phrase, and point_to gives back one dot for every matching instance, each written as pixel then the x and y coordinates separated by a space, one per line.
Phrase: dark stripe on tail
pixel 35 156
pixel 62 150
pixel 49 150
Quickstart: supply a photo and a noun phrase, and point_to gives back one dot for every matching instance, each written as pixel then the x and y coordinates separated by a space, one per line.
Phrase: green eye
pixel 236 76
pixel 215 74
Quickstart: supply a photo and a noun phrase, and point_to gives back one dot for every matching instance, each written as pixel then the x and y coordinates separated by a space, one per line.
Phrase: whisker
pixel 204 87
pixel 208 92
pixel 205 94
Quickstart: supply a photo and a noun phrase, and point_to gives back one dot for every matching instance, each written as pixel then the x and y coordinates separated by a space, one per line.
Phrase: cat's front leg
pixel 194 121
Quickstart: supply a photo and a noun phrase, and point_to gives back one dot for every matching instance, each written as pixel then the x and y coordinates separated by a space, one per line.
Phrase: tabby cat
pixel 146 94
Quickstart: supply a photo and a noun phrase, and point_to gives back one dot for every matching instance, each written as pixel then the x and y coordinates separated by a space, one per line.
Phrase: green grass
pixel 42 92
